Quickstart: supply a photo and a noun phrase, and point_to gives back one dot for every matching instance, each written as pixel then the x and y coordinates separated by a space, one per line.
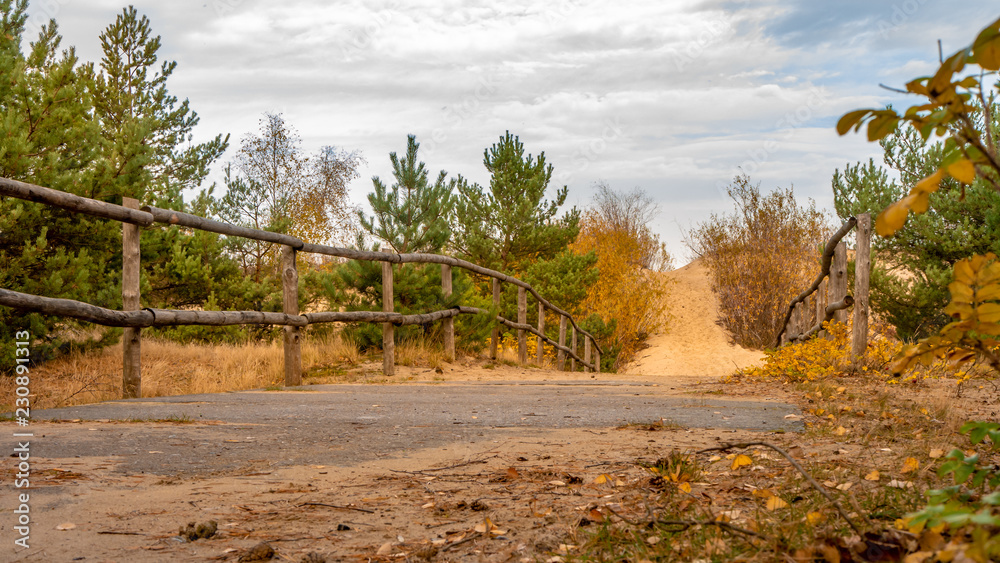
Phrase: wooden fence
pixel 134 318
pixel 830 300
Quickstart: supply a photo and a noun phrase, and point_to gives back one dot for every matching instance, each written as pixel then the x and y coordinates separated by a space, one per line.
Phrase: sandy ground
pixel 517 499
pixel 695 344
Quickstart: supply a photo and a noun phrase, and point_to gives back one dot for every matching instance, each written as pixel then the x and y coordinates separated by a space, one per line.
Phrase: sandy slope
pixel 694 345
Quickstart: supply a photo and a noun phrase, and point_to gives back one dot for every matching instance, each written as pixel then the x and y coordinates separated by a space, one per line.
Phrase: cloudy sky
pixel 671 96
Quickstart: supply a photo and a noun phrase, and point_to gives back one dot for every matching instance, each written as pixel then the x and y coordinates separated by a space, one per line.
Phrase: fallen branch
pixel 795 464
pixel 685 524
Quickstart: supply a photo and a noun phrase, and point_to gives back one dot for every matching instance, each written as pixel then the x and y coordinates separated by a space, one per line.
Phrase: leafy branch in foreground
pixel 959 109
pixel 972 504
pixel 975 304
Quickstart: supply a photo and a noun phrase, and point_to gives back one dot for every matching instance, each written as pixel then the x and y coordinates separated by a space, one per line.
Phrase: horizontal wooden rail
pixel 195 222
pixel 70 202
pixel 168 317
pixel 825 261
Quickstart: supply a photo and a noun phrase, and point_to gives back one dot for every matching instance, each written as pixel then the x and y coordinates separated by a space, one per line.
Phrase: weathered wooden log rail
pixel 803 322
pixel 133 318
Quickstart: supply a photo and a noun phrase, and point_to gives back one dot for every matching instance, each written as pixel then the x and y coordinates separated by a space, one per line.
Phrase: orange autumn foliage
pixel 628 290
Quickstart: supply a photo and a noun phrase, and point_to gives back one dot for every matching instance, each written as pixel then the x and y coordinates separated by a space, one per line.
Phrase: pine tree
pixel 912 269
pixel 142 123
pixel 413 215
pixel 511 225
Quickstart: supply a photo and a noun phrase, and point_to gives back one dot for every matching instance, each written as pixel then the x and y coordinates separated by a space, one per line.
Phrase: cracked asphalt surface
pixel 344 425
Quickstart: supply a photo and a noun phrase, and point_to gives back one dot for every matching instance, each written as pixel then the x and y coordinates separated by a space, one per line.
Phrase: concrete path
pixel 348 424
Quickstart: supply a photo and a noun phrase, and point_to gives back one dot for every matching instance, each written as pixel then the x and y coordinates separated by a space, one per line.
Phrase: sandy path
pixel 694 345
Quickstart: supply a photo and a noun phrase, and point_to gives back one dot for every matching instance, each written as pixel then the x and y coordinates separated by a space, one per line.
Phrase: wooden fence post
pixel 131 340
pixel 838 280
pixel 586 354
pixel 597 359
pixel 572 346
pixel 821 302
pixel 290 298
pixel 539 349
pixel 388 330
pixel 449 323
pixel 522 318
pixel 561 355
pixel 495 334
pixel 862 273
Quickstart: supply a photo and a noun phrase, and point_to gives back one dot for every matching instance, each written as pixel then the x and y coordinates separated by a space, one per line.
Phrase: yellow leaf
pixel 602 479
pixel 891 219
pixel 910 465
pixel 741 461
pixel 963 171
pixel 986 49
pixel 929 184
pixel 840 431
pixel 775 502
pixel 873 476
pixel 815 518
pixel 762 493
pixel 988 312
pixel 686 487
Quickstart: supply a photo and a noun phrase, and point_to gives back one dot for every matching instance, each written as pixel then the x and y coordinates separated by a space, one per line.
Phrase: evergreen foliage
pixel 912 269
pixel 413 215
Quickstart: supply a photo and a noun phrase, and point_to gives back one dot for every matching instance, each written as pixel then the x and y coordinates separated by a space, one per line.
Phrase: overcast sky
pixel 669 96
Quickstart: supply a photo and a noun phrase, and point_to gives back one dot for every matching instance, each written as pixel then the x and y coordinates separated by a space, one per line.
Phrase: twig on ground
pixel 685 524
pixel 336 506
pixel 795 464
pixel 460 542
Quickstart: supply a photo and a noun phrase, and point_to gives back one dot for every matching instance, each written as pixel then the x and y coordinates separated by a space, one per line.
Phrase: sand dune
pixel 694 344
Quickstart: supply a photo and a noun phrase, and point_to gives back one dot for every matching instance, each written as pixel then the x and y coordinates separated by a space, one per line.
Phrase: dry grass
pixel 169 368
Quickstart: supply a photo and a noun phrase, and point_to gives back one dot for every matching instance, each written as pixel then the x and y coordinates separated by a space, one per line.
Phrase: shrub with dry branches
pixel 760 257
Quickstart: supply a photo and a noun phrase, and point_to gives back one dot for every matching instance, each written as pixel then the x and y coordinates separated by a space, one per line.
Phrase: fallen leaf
pixel 873 476
pixel 685 486
pixel 762 493
pixel 653 540
pixel 936 453
pixel 596 515
pixel 792 417
pixel 840 431
pixel 602 479
pixel 386 549
pixel 66 526
pixel 558 483
pixel 841 389
pixel 728 515
pixel 910 465
pixel 775 502
pixel 815 518
pixel 714 458
pixel 844 486
pixel 428 505
pixel 897 484
pixel 488 527
pixel 513 473
pixel 741 460
pixel 831 484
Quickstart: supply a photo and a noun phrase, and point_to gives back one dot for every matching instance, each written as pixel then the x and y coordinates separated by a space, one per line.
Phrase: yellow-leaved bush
pixel 631 289
pixel 825 357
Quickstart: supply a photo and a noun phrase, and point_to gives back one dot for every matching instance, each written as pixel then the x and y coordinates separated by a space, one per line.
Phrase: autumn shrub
pixel 759 258
pixel 821 358
pixel 630 292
